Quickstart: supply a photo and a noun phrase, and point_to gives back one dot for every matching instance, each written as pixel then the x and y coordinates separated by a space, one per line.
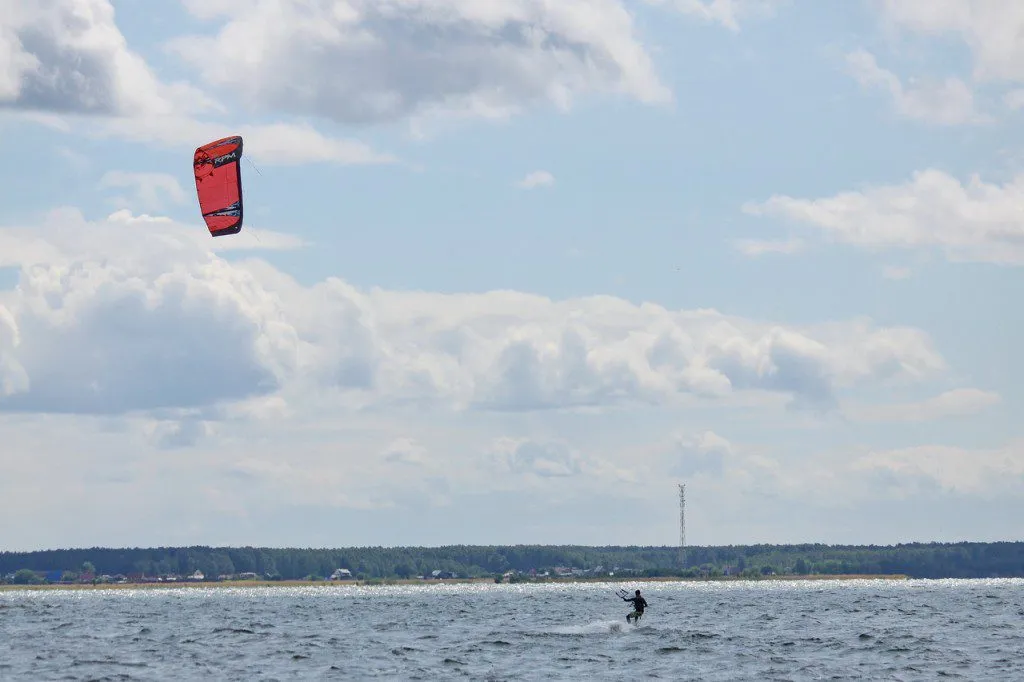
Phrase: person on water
pixel 639 604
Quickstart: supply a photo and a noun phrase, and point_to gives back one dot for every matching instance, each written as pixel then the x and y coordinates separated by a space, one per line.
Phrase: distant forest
pixel 520 562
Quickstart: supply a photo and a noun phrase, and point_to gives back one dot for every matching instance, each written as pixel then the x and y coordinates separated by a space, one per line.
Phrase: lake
pixel 758 630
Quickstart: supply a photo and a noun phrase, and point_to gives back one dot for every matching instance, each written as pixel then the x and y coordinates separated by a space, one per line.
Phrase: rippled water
pixel 902 630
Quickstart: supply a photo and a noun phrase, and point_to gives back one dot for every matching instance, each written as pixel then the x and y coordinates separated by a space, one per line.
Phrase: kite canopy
pixel 219 184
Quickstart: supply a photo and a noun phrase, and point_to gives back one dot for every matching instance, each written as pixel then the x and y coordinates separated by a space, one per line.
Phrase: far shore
pixel 442 581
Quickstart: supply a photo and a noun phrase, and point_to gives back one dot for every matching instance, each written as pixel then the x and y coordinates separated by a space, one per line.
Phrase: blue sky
pixel 768 249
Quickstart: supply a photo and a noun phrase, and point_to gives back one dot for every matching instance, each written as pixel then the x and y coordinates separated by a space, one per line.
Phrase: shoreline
pixel 221 584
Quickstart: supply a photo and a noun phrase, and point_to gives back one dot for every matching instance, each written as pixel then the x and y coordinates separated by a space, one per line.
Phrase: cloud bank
pixel 387 60
pixel 973 220
pixel 136 313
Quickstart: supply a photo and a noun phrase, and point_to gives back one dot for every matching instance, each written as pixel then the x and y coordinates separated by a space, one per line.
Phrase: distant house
pixel 342 574
pixel 198 575
pixel 441 575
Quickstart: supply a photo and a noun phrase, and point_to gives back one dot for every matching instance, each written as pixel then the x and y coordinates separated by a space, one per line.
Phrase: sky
pixel 511 270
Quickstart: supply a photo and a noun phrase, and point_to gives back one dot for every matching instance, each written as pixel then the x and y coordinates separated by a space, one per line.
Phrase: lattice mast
pixel 682 525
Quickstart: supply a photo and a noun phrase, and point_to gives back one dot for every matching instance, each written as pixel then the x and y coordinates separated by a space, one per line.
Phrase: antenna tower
pixel 682 525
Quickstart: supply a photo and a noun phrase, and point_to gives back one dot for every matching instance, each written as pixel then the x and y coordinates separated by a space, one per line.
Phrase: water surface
pixel 761 630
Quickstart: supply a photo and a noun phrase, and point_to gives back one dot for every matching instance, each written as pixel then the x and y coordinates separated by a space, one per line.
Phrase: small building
pixel 342 574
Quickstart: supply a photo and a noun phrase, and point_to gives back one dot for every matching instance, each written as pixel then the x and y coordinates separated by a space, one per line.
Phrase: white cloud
pixel 180 433
pixel 828 483
pixel 536 179
pixel 69 56
pixel 991 28
pixel 728 13
pixel 151 189
pixel 138 313
pixel 74 159
pixel 405 451
pixel 277 477
pixel 65 236
pixel 1014 100
pixel 896 272
pixel 936 467
pixel 948 103
pixel 975 221
pixel 759 247
pixel 954 403
pixel 703 453
pixel 271 144
pixel 41 118
pixel 65 64
pixel 991 31
pixel 361 61
pixel 311 477
pixel 276 143
pixel 540 458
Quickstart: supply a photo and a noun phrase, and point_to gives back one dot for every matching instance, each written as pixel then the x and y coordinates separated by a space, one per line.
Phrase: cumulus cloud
pixel 950 102
pixel 275 143
pixel 821 480
pixel 896 272
pixel 760 247
pixel 135 313
pixel 307 479
pixel 540 458
pixel 990 28
pixel 718 471
pixel 536 179
pixel 65 64
pixel 703 453
pixel 152 191
pixel 65 236
pixel 728 13
pixel 953 403
pixel 975 221
pixel 405 451
pixel 180 433
pixel 364 61
pixel 275 477
pixel 69 56
pixel 942 468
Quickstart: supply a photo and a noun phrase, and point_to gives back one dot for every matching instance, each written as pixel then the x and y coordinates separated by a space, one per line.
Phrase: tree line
pixel 917 560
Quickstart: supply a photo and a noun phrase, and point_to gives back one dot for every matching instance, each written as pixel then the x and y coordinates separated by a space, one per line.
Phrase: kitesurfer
pixel 639 604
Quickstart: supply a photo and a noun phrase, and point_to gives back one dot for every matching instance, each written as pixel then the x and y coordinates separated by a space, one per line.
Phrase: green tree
pixel 26 577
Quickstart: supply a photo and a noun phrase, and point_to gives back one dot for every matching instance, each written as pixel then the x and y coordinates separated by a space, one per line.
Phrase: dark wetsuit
pixel 639 604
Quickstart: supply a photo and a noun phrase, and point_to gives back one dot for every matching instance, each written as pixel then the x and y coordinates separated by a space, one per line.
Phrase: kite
pixel 219 185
